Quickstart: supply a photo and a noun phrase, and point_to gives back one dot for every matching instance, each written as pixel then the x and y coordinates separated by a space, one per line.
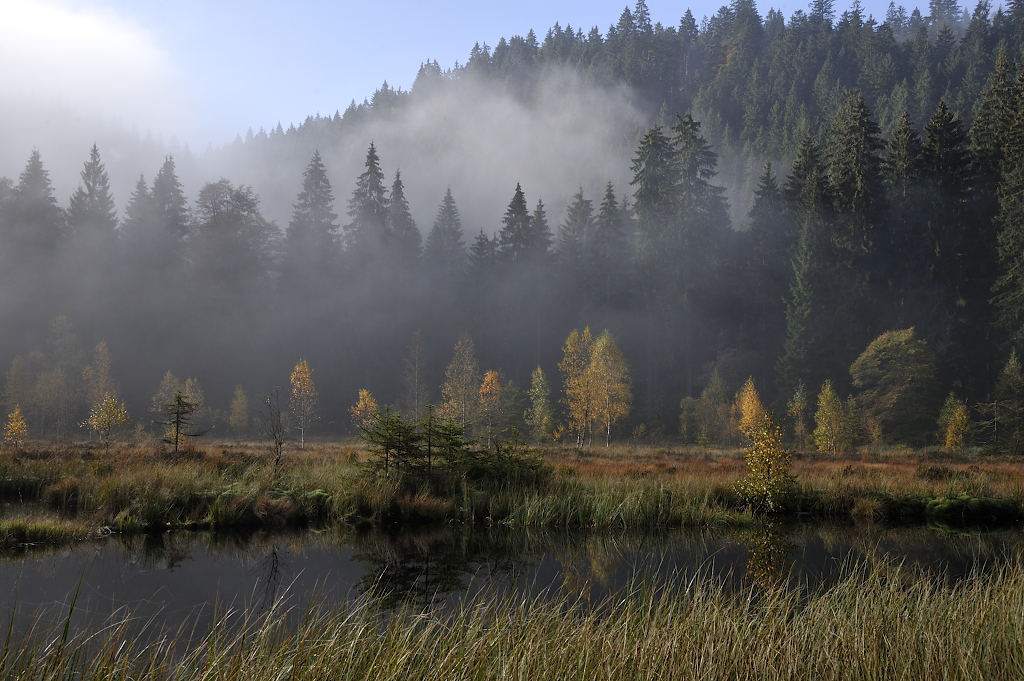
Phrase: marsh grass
pixel 228 485
pixel 871 624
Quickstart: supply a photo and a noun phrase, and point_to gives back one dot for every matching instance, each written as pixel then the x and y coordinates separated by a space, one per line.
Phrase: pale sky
pixel 206 70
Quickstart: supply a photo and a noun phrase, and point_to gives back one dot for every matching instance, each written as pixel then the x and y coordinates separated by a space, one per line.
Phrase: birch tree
pixel 304 399
pixel 610 383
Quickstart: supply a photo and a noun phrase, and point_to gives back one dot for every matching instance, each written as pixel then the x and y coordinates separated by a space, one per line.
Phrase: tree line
pixel 869 231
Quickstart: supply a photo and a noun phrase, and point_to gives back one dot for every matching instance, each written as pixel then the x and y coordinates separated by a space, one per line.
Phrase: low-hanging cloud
pixel 473 135
pixel 75 76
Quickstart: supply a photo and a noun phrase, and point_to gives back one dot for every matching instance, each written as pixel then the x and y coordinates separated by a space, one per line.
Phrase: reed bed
pixel 870 625
pixel 227 485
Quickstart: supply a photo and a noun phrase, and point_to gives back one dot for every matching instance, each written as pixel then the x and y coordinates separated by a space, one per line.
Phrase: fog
pixel 222 279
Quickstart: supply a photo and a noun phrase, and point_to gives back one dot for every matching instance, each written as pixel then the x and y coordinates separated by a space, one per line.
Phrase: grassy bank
pixel 145 488
pixel 871 625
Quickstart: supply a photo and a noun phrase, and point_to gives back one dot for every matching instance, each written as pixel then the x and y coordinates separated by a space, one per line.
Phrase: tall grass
pixel 144 488
pixel 870 625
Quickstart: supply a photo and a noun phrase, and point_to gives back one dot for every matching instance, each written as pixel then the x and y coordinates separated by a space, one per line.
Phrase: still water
pixel 182 578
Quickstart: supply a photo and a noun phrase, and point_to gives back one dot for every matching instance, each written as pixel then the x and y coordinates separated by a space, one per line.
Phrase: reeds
pixel 139 488
pixel 870 625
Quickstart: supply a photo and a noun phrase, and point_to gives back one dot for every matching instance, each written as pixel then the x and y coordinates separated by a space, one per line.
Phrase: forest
pixel 815 200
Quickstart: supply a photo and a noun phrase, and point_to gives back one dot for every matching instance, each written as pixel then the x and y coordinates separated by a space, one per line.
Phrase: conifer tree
pixel 540 232
pixel 311 240
pixel 33 224
pixel 91 214
pixel 367 209
pixel 655 178
pixel 403 235
pixel 771 245
pixel 1010 221
pixel 171 208
pixel 516 241
pixel 854 173
pixel 445 251
pixel 608 252
pixel 139 214
pixel 574 233
pixel 994 118
pixel 483 255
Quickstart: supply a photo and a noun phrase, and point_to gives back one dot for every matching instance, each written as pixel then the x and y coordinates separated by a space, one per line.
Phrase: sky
pixel 200 72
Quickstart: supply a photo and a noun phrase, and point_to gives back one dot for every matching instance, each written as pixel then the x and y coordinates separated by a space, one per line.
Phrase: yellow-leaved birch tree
pixel 748 410
pixel 365 410
pixel 460 393
pixel 304 398
pixel 610 384
pixel 490 402
pixel 576 380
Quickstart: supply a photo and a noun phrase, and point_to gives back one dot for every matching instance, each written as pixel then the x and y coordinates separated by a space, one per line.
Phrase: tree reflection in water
pixel 425 567
pixel 769 565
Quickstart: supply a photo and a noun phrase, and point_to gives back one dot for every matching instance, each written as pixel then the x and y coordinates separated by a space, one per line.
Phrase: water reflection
pixel 179 577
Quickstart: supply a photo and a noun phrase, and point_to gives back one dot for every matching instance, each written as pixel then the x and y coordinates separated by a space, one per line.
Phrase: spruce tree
pixel 33 223
pixel 445 252
pixel 311 240
pixel 798 358
pixel 608 253
pixel 854 172
pixel 404 239
pixel 91 214
pixel 480 262
pixel 367 209
pixel 902 163
pixel 1010 221
pixel 515 240
pixel 771 243
pixel 171 208
pixel 574 233
pixel 945 159
pixel 655 178
pixel 995 114
pixel 540 231
pixel 138 214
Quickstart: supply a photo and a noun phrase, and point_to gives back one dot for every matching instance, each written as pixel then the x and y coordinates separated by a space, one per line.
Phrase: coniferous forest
pixel 822 197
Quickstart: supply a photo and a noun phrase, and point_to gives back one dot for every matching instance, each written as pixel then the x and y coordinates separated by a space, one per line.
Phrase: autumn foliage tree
pixel 954 424
pixel 540 417
pixel 768 483
pixel 598 388
pixel 16 429
pixel 490 402
pixel 610 381
pixel 460 392
pixel 365 410
pixel 830 421
pixel 105 418
pixel 238 415
pixel 304 399
pixel 748 411
pixel 576 379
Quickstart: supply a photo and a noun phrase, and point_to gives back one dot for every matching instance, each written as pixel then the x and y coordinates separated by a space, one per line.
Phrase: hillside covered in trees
pixel 780 192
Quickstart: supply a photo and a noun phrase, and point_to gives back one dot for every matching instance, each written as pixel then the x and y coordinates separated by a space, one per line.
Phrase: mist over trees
pixel 781 193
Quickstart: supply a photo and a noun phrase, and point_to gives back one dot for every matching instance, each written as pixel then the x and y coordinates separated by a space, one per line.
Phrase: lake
pixel 180 578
